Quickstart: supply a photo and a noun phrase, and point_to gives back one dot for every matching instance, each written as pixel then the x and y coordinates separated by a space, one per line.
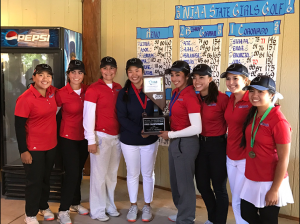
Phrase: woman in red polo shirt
pixel 212 146
pixel 36 131
pixel 100 115
pixel 266 139
pixel 185 122
pixel 237 109
pixel 73 145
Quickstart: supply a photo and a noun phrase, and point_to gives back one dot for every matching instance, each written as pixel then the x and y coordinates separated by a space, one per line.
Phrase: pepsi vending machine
pixel 22 48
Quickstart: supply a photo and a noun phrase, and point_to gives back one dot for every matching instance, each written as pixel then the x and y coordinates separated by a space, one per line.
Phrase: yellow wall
pixel 64 13
pixel 119 20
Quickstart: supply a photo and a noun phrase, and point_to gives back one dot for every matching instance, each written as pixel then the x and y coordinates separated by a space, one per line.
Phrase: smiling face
pixel 76 77
pixel 260 98
pixel 179 79
pixel 235 83
pixel 42 80
pixel 108 73
pixel 201 82
pixel 135 75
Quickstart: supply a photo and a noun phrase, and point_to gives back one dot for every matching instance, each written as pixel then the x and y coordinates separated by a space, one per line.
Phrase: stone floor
pixel 12 210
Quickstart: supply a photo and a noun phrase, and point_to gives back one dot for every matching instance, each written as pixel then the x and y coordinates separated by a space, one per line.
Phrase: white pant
pixel 140 158
pixel 103 177
pixel 236 177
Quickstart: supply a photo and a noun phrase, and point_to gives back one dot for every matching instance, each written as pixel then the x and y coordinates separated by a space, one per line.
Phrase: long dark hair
pixel 247 122
pixel 127 86
pixel 187 74
pixel 213 93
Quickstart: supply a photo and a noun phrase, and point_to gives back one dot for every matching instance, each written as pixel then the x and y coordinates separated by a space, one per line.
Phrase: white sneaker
pixel 208 222
pixel 80 209
pixel 172 218
pixel 147 213
pixel 48 214
pixel 64 217
pixel 114 213
pixel 30 220
pixel 132 213
pixel 103 218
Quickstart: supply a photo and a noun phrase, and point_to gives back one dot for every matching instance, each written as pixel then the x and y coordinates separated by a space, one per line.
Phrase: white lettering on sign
pixel 157 97
pixel 30 38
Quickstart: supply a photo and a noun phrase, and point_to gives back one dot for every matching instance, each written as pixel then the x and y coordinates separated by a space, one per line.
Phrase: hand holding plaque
pixel 154 89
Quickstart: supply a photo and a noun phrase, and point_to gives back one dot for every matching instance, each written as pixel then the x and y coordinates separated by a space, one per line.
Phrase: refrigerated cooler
pixel 22 48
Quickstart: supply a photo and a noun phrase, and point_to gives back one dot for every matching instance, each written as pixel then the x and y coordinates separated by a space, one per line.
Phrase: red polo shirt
pixel 187 103
pixel 72 112
pixel 41 118
pixel 274 129
pixel 212 116
pixel 235 116
pixel 105 99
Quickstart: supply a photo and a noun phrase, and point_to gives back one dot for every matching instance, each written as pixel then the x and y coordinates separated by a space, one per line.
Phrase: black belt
pixel 212 138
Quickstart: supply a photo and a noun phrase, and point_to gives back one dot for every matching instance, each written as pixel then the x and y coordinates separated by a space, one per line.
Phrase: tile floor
pixel 12 210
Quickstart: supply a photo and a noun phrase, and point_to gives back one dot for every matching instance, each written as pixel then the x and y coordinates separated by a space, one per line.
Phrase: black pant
pixel 211 167
pixel 37 188
pixel 182 156
pixel 267 215
pixel 74 155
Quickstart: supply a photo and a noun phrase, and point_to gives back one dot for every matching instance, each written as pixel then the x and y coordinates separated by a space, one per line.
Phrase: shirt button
pixel 103 129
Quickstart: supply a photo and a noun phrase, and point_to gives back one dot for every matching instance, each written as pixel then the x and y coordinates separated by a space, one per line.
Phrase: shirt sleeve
pixel 194 129
pixel 282 132
pixel 123 119
pixel 90 95
pixel 58 99
pixel 20 123
pixel 89 119
pixel 193 105
pixel 224 103
pixel 22 108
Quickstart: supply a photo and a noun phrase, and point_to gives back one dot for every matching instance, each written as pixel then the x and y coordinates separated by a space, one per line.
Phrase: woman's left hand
pixel 271 198
pixel 164 135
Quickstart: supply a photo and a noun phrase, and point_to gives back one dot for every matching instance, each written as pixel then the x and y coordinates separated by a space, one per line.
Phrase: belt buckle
pixel 204 138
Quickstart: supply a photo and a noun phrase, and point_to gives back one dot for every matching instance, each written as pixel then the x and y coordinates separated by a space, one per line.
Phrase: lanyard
pixel 173 100
pixel 263 117
pixel 144 105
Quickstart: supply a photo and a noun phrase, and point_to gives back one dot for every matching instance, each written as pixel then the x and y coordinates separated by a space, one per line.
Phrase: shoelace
pixel 66 213
pixel 146 209
pixel 31 217
pixel 47 210
pixel 132 209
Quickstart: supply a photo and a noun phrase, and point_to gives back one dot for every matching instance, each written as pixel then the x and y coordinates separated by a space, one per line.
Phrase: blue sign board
pixel 254 29
pixel 30 38
pixel 205 31
pixel 234 9
pixel 154 33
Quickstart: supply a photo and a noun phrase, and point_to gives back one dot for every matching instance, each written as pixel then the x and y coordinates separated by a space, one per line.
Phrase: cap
pixel 263 83
pixel 236 69
pixel 134 62
pixel 42 67
pixel 202 69
pixel 178 66
pixel 76 65
pixel 108 61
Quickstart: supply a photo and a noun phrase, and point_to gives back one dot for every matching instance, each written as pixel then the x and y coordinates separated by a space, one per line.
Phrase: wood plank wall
pixel 64 13
pixel 119 20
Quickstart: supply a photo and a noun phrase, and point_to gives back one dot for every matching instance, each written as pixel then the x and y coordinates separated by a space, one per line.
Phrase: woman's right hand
pixel 92 148
pixel 26 157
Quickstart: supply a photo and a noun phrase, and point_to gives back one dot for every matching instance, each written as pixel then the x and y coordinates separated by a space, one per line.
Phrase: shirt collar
pixel 245 98
pixel 36 93
pixel 70 90
pixel 139 90
pixel 188 88
pixel 103 83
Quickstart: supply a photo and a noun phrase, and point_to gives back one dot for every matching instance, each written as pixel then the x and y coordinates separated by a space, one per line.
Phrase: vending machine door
pixel 16 73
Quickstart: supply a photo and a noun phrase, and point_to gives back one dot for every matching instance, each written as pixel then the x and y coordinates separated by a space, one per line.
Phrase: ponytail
pixel 246 123
pixel 126 87
pixel 213 93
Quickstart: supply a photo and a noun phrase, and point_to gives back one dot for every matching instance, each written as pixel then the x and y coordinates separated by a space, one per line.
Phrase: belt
pixel 212 138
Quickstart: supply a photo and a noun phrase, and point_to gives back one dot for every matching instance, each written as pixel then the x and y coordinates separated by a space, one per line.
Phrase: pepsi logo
pixel 12 38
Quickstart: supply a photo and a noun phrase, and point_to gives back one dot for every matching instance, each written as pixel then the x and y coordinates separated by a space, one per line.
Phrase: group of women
pixel 244 137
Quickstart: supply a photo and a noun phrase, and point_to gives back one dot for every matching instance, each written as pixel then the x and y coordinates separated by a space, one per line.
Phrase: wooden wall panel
pixel 66 13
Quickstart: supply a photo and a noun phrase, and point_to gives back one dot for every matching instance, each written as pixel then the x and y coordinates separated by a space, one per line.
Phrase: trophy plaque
pixel 154 88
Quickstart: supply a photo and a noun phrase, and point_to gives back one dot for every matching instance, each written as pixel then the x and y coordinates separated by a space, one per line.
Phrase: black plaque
pixel 153 125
